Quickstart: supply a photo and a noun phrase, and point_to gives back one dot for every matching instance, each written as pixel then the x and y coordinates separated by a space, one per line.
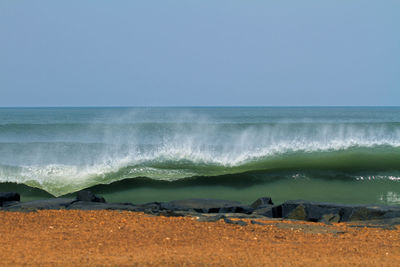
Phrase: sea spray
pixel 65 150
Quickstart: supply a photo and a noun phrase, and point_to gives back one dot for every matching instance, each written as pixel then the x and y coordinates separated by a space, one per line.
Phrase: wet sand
pixel 72 238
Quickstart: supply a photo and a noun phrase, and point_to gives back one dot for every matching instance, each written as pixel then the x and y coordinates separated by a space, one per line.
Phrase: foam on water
pixel 60 179
pixel 65 151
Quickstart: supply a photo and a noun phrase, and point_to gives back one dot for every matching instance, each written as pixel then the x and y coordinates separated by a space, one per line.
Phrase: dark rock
pixel 284 210
pixel 261 201
pixel 85 205
pixel 10 203
pixel 316 213
pixel 47 204
pixel 328 212
pixel 214 218
pixel 150 208
pixel 367 213
pixel 298 213
pixel 257 223
pixel 8 196
pixel 88 196
pixel 206 206
pixel 266 210
pixel 244 216
pixel 311 211
pixel 330 218
pixel 236 209
pixel 204 209
pixel 170 213
pixel 238 222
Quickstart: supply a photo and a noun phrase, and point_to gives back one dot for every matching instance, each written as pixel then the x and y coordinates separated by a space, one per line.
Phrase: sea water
pixel 337 154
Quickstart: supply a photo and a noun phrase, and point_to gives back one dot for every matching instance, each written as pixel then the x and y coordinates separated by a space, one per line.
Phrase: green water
pixel 364 192
pixel 337 154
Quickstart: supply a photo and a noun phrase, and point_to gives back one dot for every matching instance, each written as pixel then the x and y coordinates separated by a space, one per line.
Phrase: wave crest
pixel 60 179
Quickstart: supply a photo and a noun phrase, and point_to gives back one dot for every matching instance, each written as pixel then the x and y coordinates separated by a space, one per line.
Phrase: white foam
pixel 390 198
pixel 59 169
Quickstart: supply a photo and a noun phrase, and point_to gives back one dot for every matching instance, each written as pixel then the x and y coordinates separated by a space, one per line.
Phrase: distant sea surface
pixel 336 154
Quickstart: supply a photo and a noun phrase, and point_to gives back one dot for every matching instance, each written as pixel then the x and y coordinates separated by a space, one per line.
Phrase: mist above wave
pixel 73 149
pixel 60 179
pixel 226 144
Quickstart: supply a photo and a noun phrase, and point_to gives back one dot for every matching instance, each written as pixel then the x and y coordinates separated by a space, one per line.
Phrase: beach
pixel 199 186
pixel 73 237
pixel 199 133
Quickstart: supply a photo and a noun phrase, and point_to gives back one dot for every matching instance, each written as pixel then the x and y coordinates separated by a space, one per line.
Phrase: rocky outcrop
pixel 237 222
pixel 267 211
pixel 86 205
pixel 207 206
pixel 260 202
pixel 46 204
pixel 8 198
pixel 329 212
pixel 211 210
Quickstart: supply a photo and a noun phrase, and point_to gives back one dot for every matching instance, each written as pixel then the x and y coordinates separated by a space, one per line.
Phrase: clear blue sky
pixel 163 53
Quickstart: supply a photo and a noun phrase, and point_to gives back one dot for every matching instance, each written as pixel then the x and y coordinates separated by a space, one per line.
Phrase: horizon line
pixel 199 106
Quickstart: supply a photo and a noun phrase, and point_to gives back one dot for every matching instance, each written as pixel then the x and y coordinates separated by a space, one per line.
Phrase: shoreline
pixel 215 209
pixel 87 230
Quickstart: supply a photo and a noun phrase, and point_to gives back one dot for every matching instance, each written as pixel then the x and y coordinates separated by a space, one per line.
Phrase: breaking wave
pixel 63 151
pixel 355 162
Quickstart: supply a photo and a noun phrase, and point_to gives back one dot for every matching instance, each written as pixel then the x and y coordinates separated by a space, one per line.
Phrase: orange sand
pixel 128 238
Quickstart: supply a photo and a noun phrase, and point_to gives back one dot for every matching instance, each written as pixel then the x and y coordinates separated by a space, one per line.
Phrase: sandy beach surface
pixel 72 238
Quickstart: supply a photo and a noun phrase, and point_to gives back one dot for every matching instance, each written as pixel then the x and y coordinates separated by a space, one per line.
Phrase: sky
pixel 199 53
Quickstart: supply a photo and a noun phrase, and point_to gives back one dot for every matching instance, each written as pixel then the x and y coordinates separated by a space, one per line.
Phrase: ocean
pixel 145 154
